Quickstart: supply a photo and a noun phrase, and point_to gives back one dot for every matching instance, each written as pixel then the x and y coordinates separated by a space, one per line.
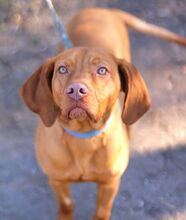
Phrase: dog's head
pixel 84 84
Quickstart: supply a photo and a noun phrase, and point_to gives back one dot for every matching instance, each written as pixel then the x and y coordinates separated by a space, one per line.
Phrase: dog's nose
pixel 77 91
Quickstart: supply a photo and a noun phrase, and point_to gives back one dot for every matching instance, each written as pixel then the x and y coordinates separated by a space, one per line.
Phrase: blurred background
pixel 154 186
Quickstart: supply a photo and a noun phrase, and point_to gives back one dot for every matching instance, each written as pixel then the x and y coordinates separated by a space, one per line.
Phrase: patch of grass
pixel 4 3
pixel 5 7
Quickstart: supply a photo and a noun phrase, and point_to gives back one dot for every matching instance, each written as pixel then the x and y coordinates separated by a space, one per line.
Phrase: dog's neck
pixel 88 134
pixel 84 126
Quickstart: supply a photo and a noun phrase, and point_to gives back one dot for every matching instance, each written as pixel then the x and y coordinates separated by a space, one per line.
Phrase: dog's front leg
pixel 65 205
pixel 106 194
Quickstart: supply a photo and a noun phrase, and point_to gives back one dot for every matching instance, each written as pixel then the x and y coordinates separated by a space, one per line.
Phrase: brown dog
pixel 80 136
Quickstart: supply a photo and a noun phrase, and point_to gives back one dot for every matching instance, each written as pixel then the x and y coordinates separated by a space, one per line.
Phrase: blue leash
pixel 59 26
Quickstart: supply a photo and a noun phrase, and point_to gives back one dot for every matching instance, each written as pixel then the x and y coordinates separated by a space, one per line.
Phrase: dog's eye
pixel 63 69
pixel 102 70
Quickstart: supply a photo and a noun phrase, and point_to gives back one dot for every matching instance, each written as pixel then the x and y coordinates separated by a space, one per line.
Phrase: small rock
pixel 141 203
pixel 146 182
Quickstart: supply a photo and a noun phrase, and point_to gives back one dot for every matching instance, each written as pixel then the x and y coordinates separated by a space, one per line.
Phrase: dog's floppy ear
pixel 137 99
pixel 37 95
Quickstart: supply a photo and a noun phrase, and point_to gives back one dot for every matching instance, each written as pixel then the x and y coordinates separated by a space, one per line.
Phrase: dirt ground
pixel 154 186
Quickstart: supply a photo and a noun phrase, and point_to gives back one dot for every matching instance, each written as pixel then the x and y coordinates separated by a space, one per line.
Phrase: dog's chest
pixel 72 159
pixel 83 153
pixel 97 159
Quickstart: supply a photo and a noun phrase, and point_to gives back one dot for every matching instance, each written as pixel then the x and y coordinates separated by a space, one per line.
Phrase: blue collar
pixel 88 134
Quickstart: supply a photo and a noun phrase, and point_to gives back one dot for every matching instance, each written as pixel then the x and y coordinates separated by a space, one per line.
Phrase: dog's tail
pixel 151 29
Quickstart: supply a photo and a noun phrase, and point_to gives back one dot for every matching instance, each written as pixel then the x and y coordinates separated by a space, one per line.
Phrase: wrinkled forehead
pixel 86 55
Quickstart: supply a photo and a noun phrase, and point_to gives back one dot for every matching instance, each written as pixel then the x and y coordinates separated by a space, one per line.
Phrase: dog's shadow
pixel 153 187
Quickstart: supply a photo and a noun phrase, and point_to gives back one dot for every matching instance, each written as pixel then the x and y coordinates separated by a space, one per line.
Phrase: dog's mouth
pixel 78 113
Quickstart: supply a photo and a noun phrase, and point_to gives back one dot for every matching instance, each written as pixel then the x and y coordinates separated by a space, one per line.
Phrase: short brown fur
pixel 100 37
